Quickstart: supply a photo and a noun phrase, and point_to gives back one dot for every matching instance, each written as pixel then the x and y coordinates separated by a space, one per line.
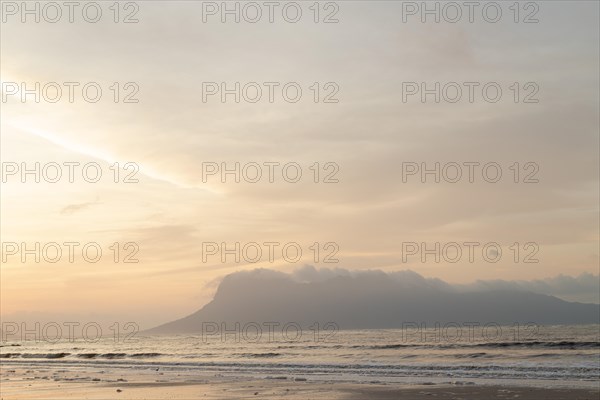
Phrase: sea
pixel 561 356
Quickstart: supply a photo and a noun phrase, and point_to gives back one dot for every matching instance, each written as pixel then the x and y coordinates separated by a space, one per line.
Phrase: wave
pixel 386 346
pixel 562 345
pixel 31 355
pixel 259 355
pixel 145 355
pixel 468 370
pixel 88 356
pixel 473 355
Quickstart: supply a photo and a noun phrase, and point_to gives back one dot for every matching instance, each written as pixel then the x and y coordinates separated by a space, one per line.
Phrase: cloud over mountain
pixel 376 299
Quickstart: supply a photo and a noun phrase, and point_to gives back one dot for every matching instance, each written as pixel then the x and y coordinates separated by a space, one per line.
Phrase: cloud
pixel 73 208
pixel 584 288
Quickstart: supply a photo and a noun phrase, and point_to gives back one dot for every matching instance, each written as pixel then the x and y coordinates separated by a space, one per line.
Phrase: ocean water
pixel 531 355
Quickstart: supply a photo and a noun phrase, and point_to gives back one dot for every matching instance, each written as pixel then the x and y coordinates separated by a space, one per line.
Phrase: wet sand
pixel 58 382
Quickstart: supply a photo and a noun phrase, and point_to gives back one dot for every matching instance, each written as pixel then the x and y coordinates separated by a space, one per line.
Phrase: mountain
pixel 371 300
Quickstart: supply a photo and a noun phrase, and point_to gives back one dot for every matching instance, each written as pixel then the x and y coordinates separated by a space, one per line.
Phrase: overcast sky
pixel 366 136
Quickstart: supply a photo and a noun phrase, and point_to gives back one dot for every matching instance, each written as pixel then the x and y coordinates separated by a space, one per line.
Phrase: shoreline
pixel 59 381
pixel 264 389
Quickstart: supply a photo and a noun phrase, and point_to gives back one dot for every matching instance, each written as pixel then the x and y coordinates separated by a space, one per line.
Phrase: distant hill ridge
pixel 372 300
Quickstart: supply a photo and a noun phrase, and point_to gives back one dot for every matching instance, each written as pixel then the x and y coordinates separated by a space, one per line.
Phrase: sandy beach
pixel 264 389
pixel 60 382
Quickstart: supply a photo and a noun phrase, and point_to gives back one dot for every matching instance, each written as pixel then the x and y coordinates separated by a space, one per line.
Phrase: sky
pixel 171 212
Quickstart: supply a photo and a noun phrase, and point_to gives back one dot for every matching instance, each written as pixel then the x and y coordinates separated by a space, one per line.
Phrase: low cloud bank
pixel 584 288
